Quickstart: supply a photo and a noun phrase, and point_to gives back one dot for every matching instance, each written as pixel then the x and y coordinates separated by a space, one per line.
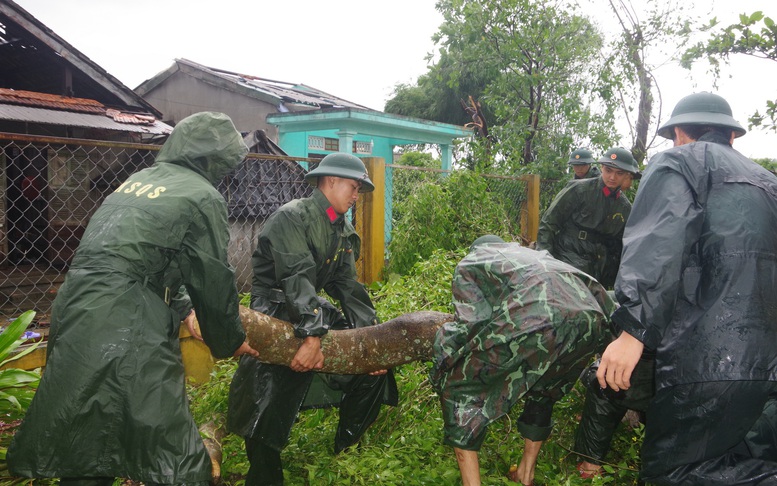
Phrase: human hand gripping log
pixel 398 341
pixel 401 340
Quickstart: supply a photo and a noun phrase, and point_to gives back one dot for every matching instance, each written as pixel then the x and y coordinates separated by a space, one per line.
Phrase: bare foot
pixel 512 475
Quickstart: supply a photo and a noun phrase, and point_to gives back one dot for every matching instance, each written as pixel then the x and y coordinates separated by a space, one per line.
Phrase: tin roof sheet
pixel 31 114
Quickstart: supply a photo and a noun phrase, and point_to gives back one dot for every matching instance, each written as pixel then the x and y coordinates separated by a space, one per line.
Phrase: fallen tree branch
pixel 401 340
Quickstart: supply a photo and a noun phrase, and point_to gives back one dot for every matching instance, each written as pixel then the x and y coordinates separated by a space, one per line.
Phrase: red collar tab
pixel 330 211
pixel 610 193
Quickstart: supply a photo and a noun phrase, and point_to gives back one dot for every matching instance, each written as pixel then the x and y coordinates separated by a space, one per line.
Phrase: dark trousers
pixel 359 407
pixel 715 433
pixel 603 413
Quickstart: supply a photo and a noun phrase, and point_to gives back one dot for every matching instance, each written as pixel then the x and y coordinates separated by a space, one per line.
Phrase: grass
pixel 404 445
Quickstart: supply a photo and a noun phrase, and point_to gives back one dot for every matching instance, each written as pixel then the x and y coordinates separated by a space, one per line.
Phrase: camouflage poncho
pixel 523 321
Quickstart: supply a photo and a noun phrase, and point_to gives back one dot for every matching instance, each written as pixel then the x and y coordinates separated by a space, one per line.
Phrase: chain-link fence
pixel 512 192
pixel 51 187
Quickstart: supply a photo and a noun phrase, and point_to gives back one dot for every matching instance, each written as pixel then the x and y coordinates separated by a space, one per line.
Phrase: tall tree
pixel 755 35
pixel 533 69
pixel 649 36
pixel 544 83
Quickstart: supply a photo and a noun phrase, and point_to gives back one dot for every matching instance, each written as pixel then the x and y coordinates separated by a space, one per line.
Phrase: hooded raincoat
pixel 584 227
pixel 697 285
pixel 112 401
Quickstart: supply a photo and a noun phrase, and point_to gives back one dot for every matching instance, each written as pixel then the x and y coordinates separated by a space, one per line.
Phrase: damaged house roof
pixel 44 79
pixel 286 96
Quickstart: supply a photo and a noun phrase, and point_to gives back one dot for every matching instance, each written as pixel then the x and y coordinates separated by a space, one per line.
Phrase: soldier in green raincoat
pixel 697 287
pixel 525 325
pixel 584 224
pixel 112 401
pixel 306 246
pixel 581 161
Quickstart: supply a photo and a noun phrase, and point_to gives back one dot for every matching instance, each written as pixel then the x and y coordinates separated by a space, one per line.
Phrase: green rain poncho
pixel 112 400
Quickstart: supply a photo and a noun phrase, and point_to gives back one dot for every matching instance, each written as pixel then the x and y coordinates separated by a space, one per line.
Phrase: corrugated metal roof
pixel 287 92
pixel 31 114
pixel 294 93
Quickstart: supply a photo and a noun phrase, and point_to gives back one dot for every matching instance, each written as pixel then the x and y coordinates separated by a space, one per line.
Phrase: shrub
pixel 17 387
pixel 446 215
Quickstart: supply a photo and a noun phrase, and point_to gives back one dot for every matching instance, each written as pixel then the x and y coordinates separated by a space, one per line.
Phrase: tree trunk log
pixel 401 340
pixel 212 435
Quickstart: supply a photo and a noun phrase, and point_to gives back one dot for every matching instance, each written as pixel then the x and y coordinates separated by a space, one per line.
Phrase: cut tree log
pixel 212 436
pixel 401 340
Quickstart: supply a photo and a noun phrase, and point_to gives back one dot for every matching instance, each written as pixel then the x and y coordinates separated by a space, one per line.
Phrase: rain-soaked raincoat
pixel 698 279
pixel 304 247
pixel 584 227
pixel 525 324
pixel 112 401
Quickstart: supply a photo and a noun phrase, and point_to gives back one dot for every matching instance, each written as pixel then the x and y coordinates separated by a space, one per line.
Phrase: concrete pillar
pixel 346 140
pixel 446 156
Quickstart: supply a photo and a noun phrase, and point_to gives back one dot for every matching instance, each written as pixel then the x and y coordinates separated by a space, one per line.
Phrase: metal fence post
pixel 370 223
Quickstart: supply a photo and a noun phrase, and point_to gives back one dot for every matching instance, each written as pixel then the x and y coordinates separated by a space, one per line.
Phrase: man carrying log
pixel 525 325
pixel 308 245
pixel 112 401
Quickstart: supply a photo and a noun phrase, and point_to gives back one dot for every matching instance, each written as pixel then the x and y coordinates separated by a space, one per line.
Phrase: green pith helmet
pixel 342 165
pixel 701 109
pixel 581 156
pixel 620 158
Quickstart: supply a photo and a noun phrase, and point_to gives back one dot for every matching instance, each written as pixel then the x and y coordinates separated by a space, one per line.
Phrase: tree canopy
pixel 543 78
pixel 754 35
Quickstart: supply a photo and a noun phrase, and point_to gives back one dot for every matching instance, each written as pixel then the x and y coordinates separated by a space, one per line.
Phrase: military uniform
pixel 583 227
pixel 583 156
pixel 304 247
pixel 112 401
pixel 697 286
pixel 525 324
pixel 593 173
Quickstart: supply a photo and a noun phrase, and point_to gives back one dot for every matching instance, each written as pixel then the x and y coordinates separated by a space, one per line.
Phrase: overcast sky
pixel 355 49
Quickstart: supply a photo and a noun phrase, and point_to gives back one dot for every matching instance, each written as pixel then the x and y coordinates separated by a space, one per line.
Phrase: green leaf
pixel 10 337
pixel 13 377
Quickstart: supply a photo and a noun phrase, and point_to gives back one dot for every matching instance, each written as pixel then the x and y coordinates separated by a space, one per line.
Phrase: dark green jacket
pixel 584 228
pixel 112 400
pixel 303 248
pixel 593 173
pixel 699 271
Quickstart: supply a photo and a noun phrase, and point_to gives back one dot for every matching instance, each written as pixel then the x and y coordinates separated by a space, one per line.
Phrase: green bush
pixel 446 215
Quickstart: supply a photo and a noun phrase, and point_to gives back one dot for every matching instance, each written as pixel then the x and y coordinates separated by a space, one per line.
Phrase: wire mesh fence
pixel 51 187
